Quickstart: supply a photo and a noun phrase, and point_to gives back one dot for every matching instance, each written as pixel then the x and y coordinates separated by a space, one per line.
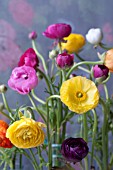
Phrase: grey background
pixel 19 17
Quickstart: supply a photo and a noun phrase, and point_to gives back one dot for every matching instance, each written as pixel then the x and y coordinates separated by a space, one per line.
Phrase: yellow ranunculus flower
pixel 26 133
pixel 74 43
pixel 79 94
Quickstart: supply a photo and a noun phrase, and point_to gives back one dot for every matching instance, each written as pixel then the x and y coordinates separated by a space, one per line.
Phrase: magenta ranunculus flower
pixel 29 58
pixel 23 79
pixel 100 73
pixel 32 35
pixel 100 70
pixel 57 31
pixel 74 149
pixel 65 60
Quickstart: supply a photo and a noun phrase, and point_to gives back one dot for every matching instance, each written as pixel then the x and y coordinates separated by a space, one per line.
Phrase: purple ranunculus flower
pixel 74 149
pixel 29 58
pixel 65 60
pixel 57 31
pixel 32 35
pixel 23 79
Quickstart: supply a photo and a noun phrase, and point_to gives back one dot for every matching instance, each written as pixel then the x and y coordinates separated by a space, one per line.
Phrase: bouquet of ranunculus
pixel 71 93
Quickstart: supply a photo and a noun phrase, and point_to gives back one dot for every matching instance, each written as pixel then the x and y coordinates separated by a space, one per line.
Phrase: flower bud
pixel 100 72
pixel 3 88
pixel 94 36
pixel 65 60
pixel 74 149
pixel 32 35
pixel 53 54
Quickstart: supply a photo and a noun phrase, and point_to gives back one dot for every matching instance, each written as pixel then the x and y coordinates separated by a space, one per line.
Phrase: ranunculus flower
pixel 57 31
pixel 26 133
pixel 108 60
pixel 32 35
pixel 29 58
pixel 74 149
pixel 94 36
pixel 74 43
pixel 64 60
pixel 4 142
pixel 79 94
pixel 23 79
pixel 100 72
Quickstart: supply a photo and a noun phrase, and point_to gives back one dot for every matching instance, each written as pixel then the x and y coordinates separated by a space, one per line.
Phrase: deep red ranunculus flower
pixel 65 60
pixel 74 149
pixel 29 58
pixel 57 31
pixel 4 142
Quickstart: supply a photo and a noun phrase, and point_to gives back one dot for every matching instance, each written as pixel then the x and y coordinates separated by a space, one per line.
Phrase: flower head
pixel 74 149
pixel 100 72
pixel 108 60
pixel 26 133
pixel 79 94
pixel 57 31
pixel 65 60
pixel 32 35
pixel 23 79
pixel 74 43
pixel 4 142
pixel 29 58
pixel 94 36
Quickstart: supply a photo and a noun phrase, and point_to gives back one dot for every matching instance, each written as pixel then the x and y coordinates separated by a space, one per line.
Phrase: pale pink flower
pixel 23 79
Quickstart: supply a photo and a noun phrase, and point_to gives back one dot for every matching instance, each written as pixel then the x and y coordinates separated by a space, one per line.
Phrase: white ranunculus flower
pixel 94 36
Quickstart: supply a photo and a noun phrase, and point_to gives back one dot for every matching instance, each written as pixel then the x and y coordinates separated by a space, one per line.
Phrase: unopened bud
pixel 32 35
pixel 3 88
pixel 53 54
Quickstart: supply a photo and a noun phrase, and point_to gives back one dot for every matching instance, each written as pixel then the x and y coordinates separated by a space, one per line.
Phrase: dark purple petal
pixel 74 149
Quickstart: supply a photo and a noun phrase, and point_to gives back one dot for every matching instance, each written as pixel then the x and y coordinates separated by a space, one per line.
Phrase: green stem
pixel 20 161
pixel 34 160
pixel 104 47
pixel 5 103
pixel 85 137
pixel 63 75
pixel 36 108
pixel 48 132
pixel 6 115
pixel 93 135
pixel 106 92
pixel 81 63
pixel 98 161
pixel 84 69
pixel 49 139
pixel 46 79
pixel 35 97
pixel 40 56
pixel 40 158
pixel 104 135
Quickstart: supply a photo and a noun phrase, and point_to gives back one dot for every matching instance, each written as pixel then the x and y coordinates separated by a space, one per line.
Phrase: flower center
pixel 80 95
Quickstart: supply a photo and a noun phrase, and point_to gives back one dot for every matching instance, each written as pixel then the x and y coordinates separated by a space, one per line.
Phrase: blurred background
pixel 19 17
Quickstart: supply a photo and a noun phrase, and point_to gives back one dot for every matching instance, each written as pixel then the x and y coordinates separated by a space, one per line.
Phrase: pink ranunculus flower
pixel 29 58
pixel 23 79
pixel 32 35
pixel 57 31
